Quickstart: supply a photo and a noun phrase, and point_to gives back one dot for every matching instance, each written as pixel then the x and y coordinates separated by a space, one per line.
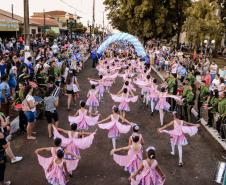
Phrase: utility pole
pixel 103 27
pixel 26 23
pixel 12 11
pixel 94 3
pixel 44 21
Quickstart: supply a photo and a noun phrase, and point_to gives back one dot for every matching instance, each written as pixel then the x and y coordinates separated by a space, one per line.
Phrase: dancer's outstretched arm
pixel 81 134
pixel 125 120
pixel 119 149
pixel 77 113
pixel 109 117
pixel 50 166
pixel 137 172
pixel 160 172
pixel 191 124
pixel 70 153
pixel 60 129
pixel 47 149
pixel 165 126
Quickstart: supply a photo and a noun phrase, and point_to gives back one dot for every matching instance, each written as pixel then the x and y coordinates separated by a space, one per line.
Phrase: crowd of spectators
pixel 30 80
pixel 198 79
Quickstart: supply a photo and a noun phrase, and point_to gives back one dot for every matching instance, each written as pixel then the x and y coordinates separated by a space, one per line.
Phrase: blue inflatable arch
pixel 123 37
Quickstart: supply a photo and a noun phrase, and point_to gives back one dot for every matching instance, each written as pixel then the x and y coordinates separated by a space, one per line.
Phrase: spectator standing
pixel 51 114
pixel 3 146
pixel 5 95
pixel 213 70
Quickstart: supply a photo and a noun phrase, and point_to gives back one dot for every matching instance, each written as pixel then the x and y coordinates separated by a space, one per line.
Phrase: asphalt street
pixel 97 166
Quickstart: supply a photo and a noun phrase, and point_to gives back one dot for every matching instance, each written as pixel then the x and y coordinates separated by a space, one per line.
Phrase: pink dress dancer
pixel 57 175
pixel 124 101
pixel 149 175
pixel 83 121
pixel 92 101
pixel 46 161
pixel 109 79
pixel 177 135
pixel 132 160
pixel 114 127
pixel 73 144
pixel 100 87
pixel 162 104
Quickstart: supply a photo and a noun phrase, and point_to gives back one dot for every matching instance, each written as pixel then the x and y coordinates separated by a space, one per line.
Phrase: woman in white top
pixel 221 86
pixel 72 88
pixel 216 82
pixel 29 108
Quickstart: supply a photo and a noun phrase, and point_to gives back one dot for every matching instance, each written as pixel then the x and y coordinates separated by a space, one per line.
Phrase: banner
pixel 9 25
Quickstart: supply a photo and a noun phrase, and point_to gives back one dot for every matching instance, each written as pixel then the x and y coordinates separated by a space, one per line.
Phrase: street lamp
pixel 71 23
pixel 90 34
pixel 210 45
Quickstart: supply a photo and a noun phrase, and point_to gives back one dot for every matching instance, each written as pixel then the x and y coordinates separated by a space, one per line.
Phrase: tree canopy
pixel 203 22
pixel 148 18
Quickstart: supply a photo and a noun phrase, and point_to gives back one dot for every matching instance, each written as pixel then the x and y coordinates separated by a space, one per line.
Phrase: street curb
pixel 203 122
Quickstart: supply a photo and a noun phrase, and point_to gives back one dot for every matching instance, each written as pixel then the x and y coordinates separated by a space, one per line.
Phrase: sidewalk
pixel 203 122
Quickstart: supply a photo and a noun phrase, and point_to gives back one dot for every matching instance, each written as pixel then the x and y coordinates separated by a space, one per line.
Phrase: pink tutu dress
pixel 57 175
pixel 149 175
pixel 45 161
pixel 109 79
pixel 83 121
pixel 73 144
pixel 153 92
pixel 177 135
pixel 132 161
pixel 142 83
pixel 162 103
pixel 100 86
pixel 114 127
pixel 92 100
pixel 124 101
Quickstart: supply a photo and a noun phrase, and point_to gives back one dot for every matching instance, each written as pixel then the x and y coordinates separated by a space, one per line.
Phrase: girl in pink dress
pixel 56 172
pixel 153 95
pixel 45 161
pixel 143 83
pixel 114 127
pixel 132 161
pixel 75 140
pixel 81 118
pixel 124 100
pixel 177 135
pixel 128 85
pixel 136 129
pixel 162 103
pixel 92 101
pixel 100 86
pixel 109 79
pixel 149 173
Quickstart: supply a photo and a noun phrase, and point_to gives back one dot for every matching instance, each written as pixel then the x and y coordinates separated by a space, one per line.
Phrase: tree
pixel 203 22
pixel 147 18
pixel 51 35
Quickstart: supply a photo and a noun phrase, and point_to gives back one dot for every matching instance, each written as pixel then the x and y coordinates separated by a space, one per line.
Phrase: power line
pixel 71 6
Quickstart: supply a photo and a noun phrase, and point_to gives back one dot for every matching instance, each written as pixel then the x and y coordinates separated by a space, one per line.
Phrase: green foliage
pixel 147 18
pixel 203 23
pixel 51 34
pixel 79 28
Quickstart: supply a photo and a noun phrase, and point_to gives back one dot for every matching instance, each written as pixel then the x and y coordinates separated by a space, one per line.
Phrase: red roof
pixel 8 16
pixel 39 21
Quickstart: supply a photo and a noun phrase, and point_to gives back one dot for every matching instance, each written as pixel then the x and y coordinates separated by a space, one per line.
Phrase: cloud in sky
pixel 82 7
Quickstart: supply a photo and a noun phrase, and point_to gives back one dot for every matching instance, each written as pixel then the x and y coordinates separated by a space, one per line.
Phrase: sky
pixel 82 8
